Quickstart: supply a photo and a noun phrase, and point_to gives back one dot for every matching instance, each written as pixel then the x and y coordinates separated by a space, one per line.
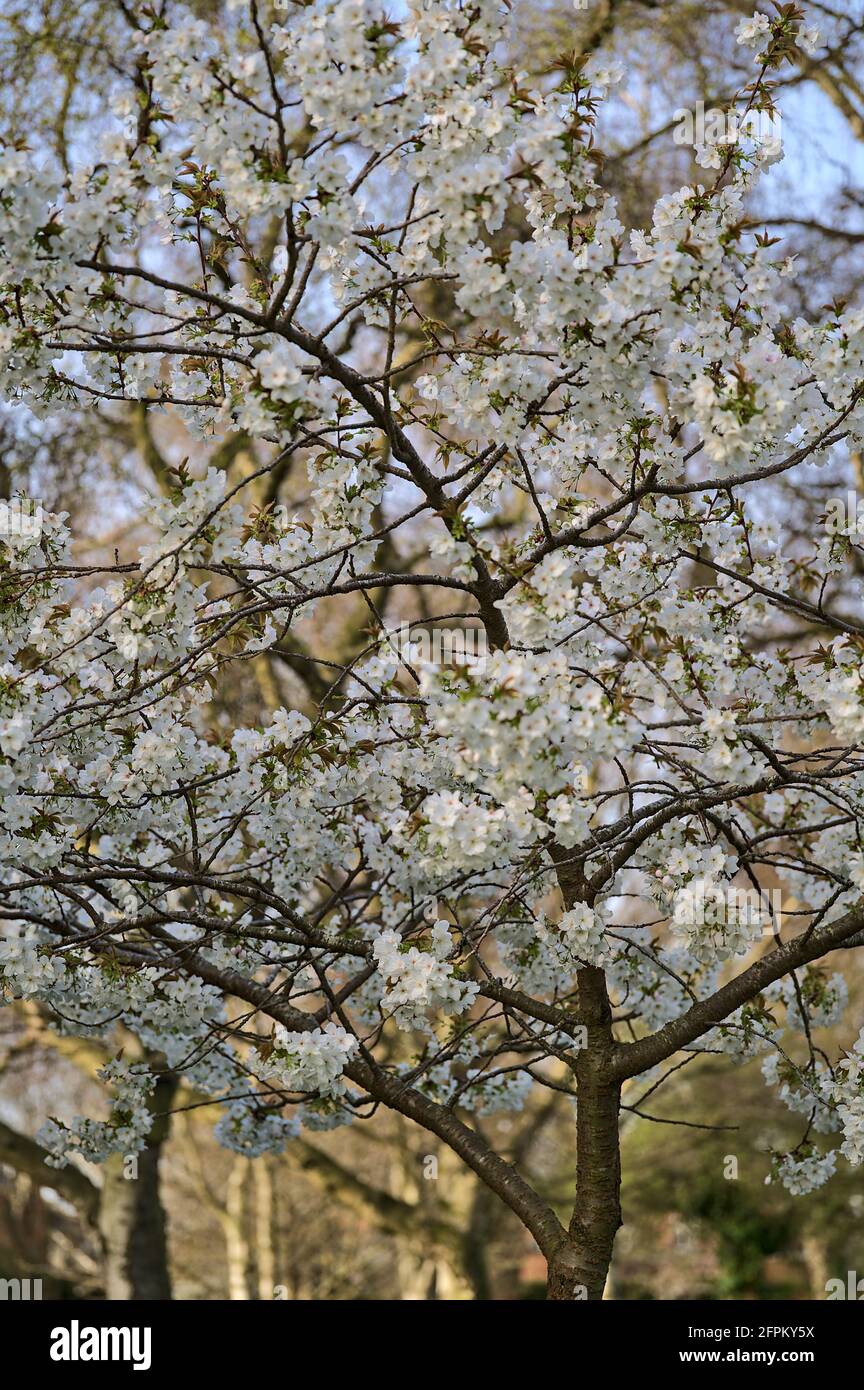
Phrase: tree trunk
pixel 478 1234
pixel 579 1268
pixel 815 1252
pixel 265 1250
pixel 131 1215
pixel 234 1224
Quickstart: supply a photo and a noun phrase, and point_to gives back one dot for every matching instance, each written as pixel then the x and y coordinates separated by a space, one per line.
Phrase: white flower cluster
pixel 803 1092
pixel 803 1172
pixel 847 1094
pixel 824 999
pixel 496 1095
pixel 716 920
pixel 578 938
pixel 420 982
pixel 658 978
pixel 247 1130
pixel 758 31
pixel 312 1060
pixel 124 1132
pixel 752 31
pixel 838 690
pixel 749 1032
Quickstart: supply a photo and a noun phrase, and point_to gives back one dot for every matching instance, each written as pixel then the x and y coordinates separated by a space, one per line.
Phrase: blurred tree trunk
pixel 131 1215
pixel 265 1249
pixel 234 1220
pixel 815 1253
pixel 478 1236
